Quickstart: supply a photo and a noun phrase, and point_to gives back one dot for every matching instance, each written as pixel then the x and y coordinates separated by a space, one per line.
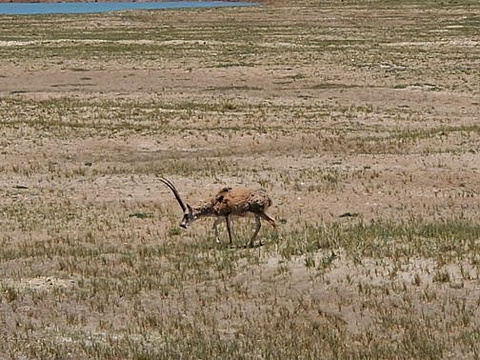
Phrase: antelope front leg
pixel 227 219
pixel 215 228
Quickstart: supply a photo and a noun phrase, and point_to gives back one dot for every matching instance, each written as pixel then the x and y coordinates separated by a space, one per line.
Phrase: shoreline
pixel 105 1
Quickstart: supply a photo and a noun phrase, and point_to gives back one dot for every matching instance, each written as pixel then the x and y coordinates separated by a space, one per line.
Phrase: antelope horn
pixel 175 192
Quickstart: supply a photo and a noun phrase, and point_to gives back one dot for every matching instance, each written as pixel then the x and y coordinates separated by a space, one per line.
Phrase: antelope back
pixel 239 201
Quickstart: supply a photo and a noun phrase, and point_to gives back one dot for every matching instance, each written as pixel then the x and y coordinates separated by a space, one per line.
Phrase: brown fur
pixel 239 201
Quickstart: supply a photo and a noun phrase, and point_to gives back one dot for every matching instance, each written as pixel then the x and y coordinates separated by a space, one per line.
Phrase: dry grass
pixel 359 117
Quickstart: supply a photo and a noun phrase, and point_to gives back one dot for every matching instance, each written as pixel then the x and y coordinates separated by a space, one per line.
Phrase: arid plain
pixel 360 118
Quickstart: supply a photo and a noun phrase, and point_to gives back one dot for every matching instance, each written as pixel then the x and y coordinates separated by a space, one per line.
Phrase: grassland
pixel 361 119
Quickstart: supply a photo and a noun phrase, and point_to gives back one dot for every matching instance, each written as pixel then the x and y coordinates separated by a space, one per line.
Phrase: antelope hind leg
pixel 258 225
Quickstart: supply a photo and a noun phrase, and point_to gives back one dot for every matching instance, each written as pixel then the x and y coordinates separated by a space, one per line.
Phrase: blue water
pixel 99 7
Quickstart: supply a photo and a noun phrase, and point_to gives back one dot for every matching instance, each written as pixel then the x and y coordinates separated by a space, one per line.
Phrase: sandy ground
pixel 433 174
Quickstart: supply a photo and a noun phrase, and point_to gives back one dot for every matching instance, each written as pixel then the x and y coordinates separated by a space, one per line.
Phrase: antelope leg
pixel 215 228
pixel 227 219
pixel 269 219
pixel 258 224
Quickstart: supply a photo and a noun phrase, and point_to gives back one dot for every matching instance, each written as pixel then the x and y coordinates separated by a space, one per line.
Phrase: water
pixel 99 7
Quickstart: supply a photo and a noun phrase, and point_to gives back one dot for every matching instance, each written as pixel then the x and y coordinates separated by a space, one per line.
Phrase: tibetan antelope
pixel 227 203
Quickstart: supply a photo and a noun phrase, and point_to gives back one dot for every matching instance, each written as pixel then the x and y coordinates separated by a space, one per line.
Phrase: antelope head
pixel 189 215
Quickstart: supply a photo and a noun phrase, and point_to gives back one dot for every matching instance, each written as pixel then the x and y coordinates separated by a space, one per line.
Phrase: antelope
pixel 226 203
